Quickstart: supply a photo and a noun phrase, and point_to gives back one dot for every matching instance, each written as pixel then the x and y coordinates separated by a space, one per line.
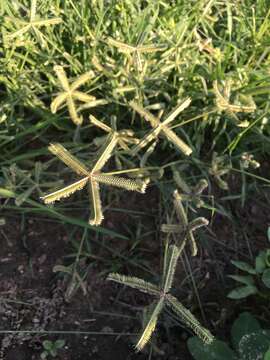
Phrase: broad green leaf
pixel 217 350
pixel 267 355
pixel 247 279
pixel 244 266
pixel 268 233
pixel 260 264
pixel 53 352
pixel 254 346
pixel 47 344
pixel 242 292
pixel 60 343
pixel 244 324
pixel 266 278
pixel 267 257
pixel 44 355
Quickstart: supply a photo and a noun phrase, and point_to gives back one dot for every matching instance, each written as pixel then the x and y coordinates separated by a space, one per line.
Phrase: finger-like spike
pixel 46 22
pixel 137 59
pixel 81 96
pixel 92 104
pixel 150 48
pixel 180 144
pixel 135 283
pixel 198 223
pixel 192 243
pixel 95 203
pixel 176 111
pixel 57 102
pixel 106 152
pixel 182 217
pixel 181 182
pixel 200 187
pixel 180 211
pixel 82 80
pixel 121 45
pixel 152 318
pixel 96 63
pixel 99 124
pixel 144 113
pixel 73 112
pixel 168 228
pixel 62 77
pixel 71 161
pixel 189 319
pixel 170 262
pixel 153 134
pixel 127 184
pixel 65 192
pixel 17 33
pixel 33 10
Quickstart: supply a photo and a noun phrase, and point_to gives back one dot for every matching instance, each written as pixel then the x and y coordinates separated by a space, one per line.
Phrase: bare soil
pixel 104 321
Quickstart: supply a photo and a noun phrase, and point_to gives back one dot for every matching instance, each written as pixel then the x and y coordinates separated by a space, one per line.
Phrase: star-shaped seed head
pixel 135 51
pixel 184 229
pixel 70 94
pixel 92 178
pixel 248 160
pixel 161 128
pixel 124 137
pixel 240 104
pixel 163 298
pixel 219 168
pixel 32 25
pixel 190 194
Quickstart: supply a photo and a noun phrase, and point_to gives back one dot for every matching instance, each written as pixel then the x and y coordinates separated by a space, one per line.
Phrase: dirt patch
pixel 103 322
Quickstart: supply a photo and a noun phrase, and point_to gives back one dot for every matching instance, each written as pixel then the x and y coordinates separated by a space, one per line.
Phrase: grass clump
pixel 127 62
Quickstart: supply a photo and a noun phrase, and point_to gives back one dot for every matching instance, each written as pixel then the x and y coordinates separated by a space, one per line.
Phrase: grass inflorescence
pixel 171 94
